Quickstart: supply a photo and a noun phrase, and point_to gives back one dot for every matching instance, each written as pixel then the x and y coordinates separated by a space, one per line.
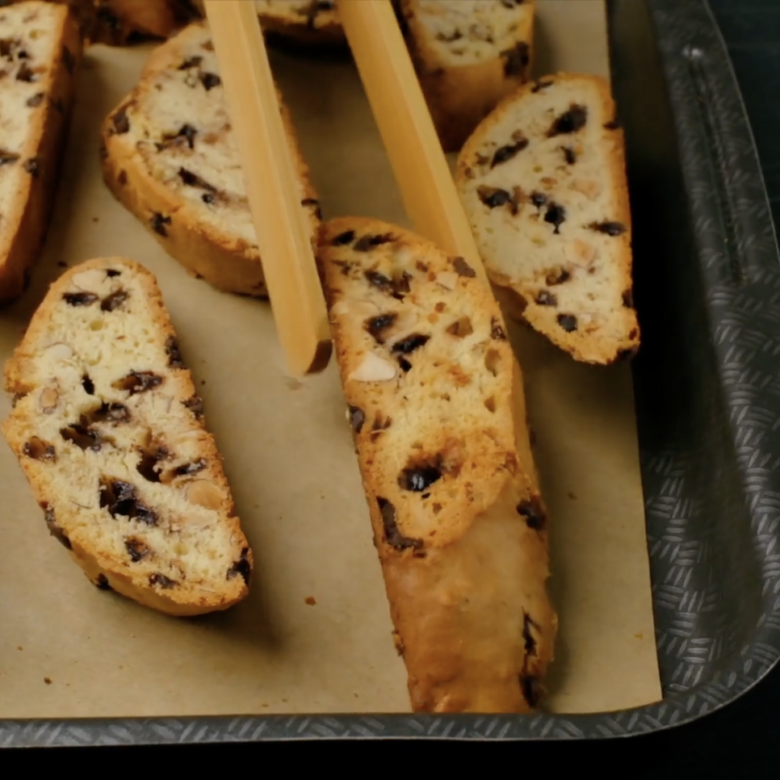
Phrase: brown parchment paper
pixel 69 650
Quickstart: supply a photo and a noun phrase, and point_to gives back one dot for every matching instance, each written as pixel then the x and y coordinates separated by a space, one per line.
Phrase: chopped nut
pixel 580 252
pixel 89 280
pixel 447 279
pixel 590 188
pixel 373 369
pixel 48 400
pixel 59 351
pixel 203 493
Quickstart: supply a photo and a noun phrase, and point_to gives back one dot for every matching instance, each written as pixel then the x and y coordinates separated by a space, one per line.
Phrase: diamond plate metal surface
pixel 708 404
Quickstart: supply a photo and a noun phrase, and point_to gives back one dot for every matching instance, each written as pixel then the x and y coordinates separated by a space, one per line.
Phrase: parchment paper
pixel 314 636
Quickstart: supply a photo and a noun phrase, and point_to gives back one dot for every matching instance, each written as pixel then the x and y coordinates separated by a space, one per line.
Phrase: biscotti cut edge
pixel 468 597
pixel 518 299
pixel 36 398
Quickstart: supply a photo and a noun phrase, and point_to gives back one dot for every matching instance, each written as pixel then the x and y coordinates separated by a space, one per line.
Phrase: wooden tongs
pixel 407 131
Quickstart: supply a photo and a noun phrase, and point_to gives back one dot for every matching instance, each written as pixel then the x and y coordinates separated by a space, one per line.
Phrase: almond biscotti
pixel 170 157
pixel 110 434
pixel 435 402
pixel 469 54
pixel 543 183
pixel 40 52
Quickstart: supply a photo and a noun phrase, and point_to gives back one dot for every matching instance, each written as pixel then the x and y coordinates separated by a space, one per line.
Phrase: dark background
pixel 740 741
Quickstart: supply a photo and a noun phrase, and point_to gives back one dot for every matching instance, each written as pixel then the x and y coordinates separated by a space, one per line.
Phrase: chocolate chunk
pixel 395 287
pixel 68 60
pixel 508 152
pixel 368 242
pixel 113 413
pixel 569 122
pixel 88 385
pixel 146 467
pixel 532 511
pixel 35 100
pixel 493 197
pixel 419 478
pixel 241 567
pixel 613 125
pixel 38 449
pixel 392 535
pixel 531 688
pixel 210 80
pixel 528 637
pixel 136 549
pixel 161 581
pixel 449 38
pixel 80 298
pixel 195 405
pixel 569 155
pixel 191 62
pixel 496 331
pixel 6 158
pixel 25 73
pixel 377 325
pixel 111 273
pixel 188 132
pixel 568 322
pixel 405 365
pixel 462 268
pixel 538 198
pixel 409 344
pixel 121 122
pixel 546 298
pixel 102 582
pixel 114 300
pixel 208 198
pixel 356 418
pixel 188 469
pixel 556 215
pixel 8 46
pixel 158 223
pixel 540 85
pixel 347 237
pixel 172 350
pixel 138 382
pixel 83 437
pixel 121 500
pixel 628 299
pixel 55 530
pixel 33 166
pixel 610 228
pixel 557 276
pixel 516 59
pixel 313 202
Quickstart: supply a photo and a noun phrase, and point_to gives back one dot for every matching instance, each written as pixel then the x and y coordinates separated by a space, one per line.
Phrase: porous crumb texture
pixel 469 54
pixel 543 183
pixel 431 386
pixel 120 22
pixel 110 434
pixel 170 157
pixel 40 48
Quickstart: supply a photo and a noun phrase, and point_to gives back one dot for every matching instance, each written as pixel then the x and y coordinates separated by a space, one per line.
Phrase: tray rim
pixel 679 25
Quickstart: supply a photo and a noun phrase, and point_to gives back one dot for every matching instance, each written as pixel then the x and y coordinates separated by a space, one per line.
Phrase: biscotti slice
pixel 110 435
pixel 40 51
pixel 171 158
pixel 124 22
pixel 468 54
pixel 435 402
pixel 309 22
pixel 543 183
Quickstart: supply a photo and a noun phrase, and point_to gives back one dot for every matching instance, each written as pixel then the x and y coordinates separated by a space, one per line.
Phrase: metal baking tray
pixel 707 275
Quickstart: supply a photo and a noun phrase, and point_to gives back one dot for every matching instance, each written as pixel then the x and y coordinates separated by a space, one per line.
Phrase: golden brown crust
pixel 459 98
pixel 123 22
pixel 26 223
pixel 517 296
pixel 465 568
pixel 208 250
pixel 24 380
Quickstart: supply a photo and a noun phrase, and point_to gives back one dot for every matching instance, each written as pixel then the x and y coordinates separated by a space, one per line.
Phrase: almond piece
pixel 59 351
pixel 203 493
pixel 447 279
pixel 90 280
pixel 373 369
pixel 580 252
pixel 590 188
pixel 47 400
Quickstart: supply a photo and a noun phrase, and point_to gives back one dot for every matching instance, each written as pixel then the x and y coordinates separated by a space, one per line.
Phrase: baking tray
pixel 706 265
